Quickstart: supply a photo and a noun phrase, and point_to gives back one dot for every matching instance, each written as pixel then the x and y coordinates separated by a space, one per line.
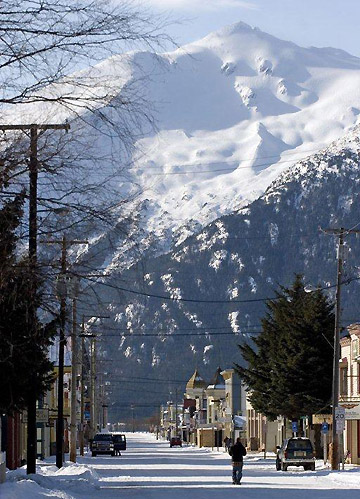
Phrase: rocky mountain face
pixel 197 302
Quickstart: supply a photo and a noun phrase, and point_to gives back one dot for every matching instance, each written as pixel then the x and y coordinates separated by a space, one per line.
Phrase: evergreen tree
pixel 289 367
pixel 24 364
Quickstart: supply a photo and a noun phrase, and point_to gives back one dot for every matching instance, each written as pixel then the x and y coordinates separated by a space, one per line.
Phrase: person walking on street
pixel 237 453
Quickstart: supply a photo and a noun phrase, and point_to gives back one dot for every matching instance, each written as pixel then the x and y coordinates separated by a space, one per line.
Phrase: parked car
pixel 175 441
pixel 295 451
pixel 102 444
pixel 119 440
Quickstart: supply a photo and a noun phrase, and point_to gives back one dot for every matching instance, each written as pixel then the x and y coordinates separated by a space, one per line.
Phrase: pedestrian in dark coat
pixel 237 453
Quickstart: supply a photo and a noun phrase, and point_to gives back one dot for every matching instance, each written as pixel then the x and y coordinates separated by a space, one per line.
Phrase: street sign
pixel 322 418
pixel 325 428
pixel 42 416
pixel 340 419
pixel 352 410
pixel 294 426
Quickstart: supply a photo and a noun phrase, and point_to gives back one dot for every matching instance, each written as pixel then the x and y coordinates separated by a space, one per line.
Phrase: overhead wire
pixel 193 300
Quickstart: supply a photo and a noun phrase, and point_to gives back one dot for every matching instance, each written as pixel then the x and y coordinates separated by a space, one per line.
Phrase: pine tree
pixel 24 364
pixel 289 367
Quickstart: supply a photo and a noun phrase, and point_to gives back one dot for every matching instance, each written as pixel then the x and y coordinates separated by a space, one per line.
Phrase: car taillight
pixel 286 454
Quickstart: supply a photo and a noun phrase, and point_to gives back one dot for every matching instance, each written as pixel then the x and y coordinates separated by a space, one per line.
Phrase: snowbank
pixel 50 481
pixel 347 478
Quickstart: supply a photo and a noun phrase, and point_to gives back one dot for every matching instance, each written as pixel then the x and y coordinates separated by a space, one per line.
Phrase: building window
pixel 343 382
pixel 355 348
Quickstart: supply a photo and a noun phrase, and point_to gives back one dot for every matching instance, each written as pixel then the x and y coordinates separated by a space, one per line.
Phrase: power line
pixel 174 335
pixel 193 300
pixel 158 330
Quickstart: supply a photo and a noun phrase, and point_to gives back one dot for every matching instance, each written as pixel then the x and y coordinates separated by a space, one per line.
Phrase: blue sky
pixel 320 23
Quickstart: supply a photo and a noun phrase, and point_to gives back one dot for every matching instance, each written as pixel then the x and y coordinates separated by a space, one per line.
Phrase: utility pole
pixel 133 420
pixel 62 292
pixel 340 233
pixel 105 415
pixel 92 386
pixel 176 413
pixel 74 372
pixel 84 335
pixel 32 315
pixel 82 388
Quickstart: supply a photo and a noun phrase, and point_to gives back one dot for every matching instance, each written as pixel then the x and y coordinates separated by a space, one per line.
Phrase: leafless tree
pixel 44 42
pixel 50 71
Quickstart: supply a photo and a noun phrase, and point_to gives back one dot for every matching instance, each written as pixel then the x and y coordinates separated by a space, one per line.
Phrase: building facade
pixel 350 391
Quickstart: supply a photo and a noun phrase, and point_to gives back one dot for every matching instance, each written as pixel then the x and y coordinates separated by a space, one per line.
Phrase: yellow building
pixel 350 391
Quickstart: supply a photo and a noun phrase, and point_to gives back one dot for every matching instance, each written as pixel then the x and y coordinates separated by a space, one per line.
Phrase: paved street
pixel 150 469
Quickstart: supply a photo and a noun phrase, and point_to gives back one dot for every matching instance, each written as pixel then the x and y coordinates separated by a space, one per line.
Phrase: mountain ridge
pixel 233 111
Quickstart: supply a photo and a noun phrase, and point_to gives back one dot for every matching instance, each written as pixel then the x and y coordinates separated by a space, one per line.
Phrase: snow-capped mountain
pixel 232 112
pixel 236 109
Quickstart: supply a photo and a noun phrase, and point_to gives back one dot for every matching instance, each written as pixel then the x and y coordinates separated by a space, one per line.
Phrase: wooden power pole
pixel 74 371
pixel 62 292
pixel 32 316
pixel 84 335
pixel 340 233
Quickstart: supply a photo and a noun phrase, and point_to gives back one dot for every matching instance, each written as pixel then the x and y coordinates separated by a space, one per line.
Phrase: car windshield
pixel 299 444
pixel 102 438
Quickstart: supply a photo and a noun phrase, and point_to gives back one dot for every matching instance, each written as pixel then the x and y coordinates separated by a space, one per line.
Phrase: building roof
pixel 354 329
pixel 196 381
pixel 217 381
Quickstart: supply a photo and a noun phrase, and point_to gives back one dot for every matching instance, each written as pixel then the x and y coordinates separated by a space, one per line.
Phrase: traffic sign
pixel 340 419
pixel 325 427
pixel 294 426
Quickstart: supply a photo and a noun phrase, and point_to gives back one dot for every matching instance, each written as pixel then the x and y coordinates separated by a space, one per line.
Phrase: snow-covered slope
pixel 208 294
pixel 233 110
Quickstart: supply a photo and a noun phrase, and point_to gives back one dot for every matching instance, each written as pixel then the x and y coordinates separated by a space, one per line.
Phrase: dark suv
pixel 296 451
pixel 102 444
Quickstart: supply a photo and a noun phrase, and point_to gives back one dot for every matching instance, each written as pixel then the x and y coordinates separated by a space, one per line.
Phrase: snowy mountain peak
pixel 231 29
pixel 233 111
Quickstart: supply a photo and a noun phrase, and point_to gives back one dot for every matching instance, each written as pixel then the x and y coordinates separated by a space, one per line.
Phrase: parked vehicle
pixel 175 441
pixel 119 440
pixel 295 451
pixel 102 444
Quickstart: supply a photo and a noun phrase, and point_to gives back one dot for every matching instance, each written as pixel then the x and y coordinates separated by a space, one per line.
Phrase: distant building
pixel 215 394
pixel 195 406
pixel 210 432
pixel 234 406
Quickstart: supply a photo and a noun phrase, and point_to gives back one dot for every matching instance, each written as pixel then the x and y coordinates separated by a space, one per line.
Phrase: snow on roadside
pixel 50 482
pixel 348 478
